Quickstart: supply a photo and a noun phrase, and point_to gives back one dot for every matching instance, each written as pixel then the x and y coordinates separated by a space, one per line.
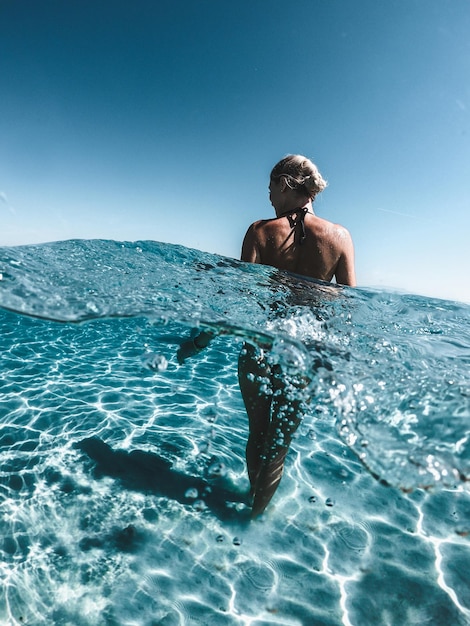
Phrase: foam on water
pixel 123 483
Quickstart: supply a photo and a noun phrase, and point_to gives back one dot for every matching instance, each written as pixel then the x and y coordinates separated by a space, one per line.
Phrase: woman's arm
pixel 193 346
pixel 345 273
pixel 250 247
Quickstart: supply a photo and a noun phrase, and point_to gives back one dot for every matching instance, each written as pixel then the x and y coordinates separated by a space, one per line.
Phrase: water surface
pixel 122 477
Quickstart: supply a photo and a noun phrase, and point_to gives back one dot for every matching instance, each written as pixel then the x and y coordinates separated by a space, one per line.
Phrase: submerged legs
pixel 274 414
pixel 252 372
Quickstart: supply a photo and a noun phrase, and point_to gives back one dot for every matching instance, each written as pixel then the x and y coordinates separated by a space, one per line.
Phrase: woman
pixel 298 241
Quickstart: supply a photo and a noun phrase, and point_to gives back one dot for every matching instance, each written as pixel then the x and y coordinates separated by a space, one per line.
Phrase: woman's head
pixel 300 174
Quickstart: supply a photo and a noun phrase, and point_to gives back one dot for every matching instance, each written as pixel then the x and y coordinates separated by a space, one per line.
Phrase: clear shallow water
pixel 122 475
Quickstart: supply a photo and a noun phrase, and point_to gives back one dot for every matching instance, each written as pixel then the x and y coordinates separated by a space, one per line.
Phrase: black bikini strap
pixel 302 212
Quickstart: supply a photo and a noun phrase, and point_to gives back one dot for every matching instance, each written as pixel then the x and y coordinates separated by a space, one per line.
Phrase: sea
pixel 123 486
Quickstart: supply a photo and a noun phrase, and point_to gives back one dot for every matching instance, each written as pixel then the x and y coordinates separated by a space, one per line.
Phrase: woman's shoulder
pixel 260 224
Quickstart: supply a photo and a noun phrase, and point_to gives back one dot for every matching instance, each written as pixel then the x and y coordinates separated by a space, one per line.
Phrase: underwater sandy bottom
pixel 114 483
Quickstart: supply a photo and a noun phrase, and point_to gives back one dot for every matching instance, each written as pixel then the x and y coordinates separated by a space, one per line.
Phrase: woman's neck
pixel 293 205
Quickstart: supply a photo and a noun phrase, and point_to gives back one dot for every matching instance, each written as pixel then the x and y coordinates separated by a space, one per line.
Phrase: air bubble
pixel 211 414
pixel 203 447
pixel 216 469
pixel 155 362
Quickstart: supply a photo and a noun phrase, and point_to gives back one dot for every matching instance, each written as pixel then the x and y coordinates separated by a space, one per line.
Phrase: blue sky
pixel 162 119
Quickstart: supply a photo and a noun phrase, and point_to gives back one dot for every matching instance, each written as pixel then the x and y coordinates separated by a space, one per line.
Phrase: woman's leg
pixel 286 412
pixel 254 380
pixel 275 404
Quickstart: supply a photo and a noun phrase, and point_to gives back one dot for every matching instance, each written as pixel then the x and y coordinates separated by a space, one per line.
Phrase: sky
pixel 162 119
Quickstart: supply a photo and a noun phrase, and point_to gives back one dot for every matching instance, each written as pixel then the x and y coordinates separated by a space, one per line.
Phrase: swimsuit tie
pixel 303 212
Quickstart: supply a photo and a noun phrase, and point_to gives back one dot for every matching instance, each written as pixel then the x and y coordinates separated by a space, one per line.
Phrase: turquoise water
pixel 122 476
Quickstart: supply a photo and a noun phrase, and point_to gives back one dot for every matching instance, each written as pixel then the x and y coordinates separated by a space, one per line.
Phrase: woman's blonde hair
pixel 301 174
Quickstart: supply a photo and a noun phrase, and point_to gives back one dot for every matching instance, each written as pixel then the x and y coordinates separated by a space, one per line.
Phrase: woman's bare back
pixel 324 253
